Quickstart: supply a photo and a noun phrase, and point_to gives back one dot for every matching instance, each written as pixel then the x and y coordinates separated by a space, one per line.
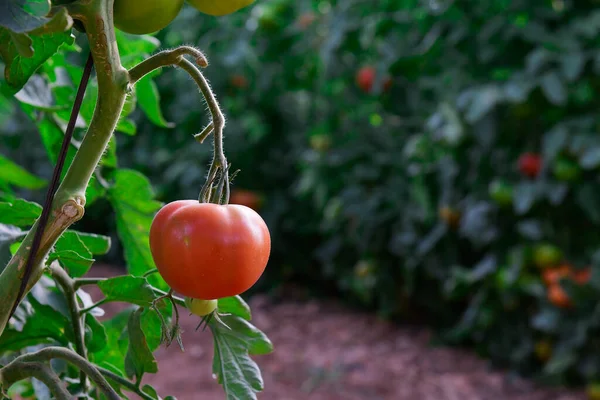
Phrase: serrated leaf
pixel 235 305
pixel 19 212
pixel 13 174
pixel 139 359
pixel 130 289
pixel 132 198
pixel 19 68
pixel 235 370
pixel 149 100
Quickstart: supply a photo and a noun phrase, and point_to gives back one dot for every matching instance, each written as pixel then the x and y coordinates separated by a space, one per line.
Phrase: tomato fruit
pixel 200 307
pixel 501 192
pixel 558 297
pixel 530 164
pixel 365 78
pixel 246 198
pixel 209 251
pixel 219 7
pixel 546 255
pixel 142 17
pixel 553 276
pixel 566 170
pixel 582 276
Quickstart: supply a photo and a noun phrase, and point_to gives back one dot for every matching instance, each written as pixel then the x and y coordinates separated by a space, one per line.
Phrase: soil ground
pixel 324 351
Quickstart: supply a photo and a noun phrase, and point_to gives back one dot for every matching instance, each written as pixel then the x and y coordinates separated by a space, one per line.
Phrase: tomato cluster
pixel 209 251
pixel 552 277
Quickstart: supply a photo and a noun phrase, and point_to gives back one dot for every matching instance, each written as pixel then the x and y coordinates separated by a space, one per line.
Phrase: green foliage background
pixel 475 84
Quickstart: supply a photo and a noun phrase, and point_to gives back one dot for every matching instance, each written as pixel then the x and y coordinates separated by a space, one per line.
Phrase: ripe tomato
pixel 142 17
pixel 566 170
pixel 219 7
pixel 582 276
pixel 501 192
pixel 557 296
pixel 365 78
pixel 209 251
pixel 530 164
pixel 246 198
pixel 552 276
pixel 546 255
pixel 200 307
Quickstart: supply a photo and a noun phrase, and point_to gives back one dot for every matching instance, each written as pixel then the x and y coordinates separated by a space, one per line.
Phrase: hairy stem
pixel 68 287
pixel 50 353
pixel 18 370
pixel 69 201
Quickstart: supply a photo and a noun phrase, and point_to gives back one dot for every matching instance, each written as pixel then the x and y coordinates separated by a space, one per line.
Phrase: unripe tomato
pixel 200 307
pixel 142 17
pixel 219 7
pixel 209 251
pixel 558 297
pixel 566 170
pixel 365 78
pixel 530 164
pixel 246 198
pixel 546 255
pixel 501 192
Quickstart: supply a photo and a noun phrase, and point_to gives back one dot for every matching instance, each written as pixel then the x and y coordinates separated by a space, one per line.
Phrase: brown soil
pixel 324 351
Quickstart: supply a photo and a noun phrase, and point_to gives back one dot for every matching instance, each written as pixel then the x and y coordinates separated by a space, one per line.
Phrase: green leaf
pixel 132 198
pixel 139 359
pixel 72 254
pixel 8 235
pixel 111 356
pixel 554 88
pixel 24 15
pixel 96 244
pixel 235 370
pixel 149 100
pixel 95 334
pixel 17 50
pixel 130 289
pixel 13 174
pixel 235 305
pixel 19 212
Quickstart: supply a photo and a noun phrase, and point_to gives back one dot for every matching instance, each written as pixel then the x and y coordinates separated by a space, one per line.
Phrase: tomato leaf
pixel 96 244
pixel 13 174
pixel 149 100
pixel 139 359
pixel 111 356
pixel 72 254
pixel 8 235
pixel 24 53
pixel 19 212
pixel 132 199
pixel 24 15
pixel 235 305
pixel 130 289
pixel 235 370
pixel 95 334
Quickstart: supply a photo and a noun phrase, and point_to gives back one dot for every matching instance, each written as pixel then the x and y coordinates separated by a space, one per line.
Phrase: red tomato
pixel 558 296
pixel 209 251
pixel 365 78
pixel 530 164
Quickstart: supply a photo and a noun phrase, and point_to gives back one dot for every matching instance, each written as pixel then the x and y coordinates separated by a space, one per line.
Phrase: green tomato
pixel 501 192
pixel 200 307
pixel 219 7
pixel 142 17
pixel 546 255
pixel 566 170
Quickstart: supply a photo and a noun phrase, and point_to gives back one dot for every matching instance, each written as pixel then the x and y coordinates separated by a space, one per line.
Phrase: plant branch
pixel 131 386
pixel 165 58
pixel 18 370
pixel 96 304
pixel 68 287
pixel 79 282
pixel 75 359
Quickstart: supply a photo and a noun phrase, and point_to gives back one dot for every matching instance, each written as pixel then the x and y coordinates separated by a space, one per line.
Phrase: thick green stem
pixel 18 370
pixel 68 205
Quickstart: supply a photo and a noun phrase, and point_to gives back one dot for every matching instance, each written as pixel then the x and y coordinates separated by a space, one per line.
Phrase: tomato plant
pixel 232 240
pixel 530 164
pixel 47 259
pixel 140 17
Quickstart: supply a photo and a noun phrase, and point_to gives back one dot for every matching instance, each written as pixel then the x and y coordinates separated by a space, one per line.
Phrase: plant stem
pixel 131 386
pixel 79 282
pixel 68 287
pixel 69 201
pixel 96 304
pixel 16 371
pixel 75 359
